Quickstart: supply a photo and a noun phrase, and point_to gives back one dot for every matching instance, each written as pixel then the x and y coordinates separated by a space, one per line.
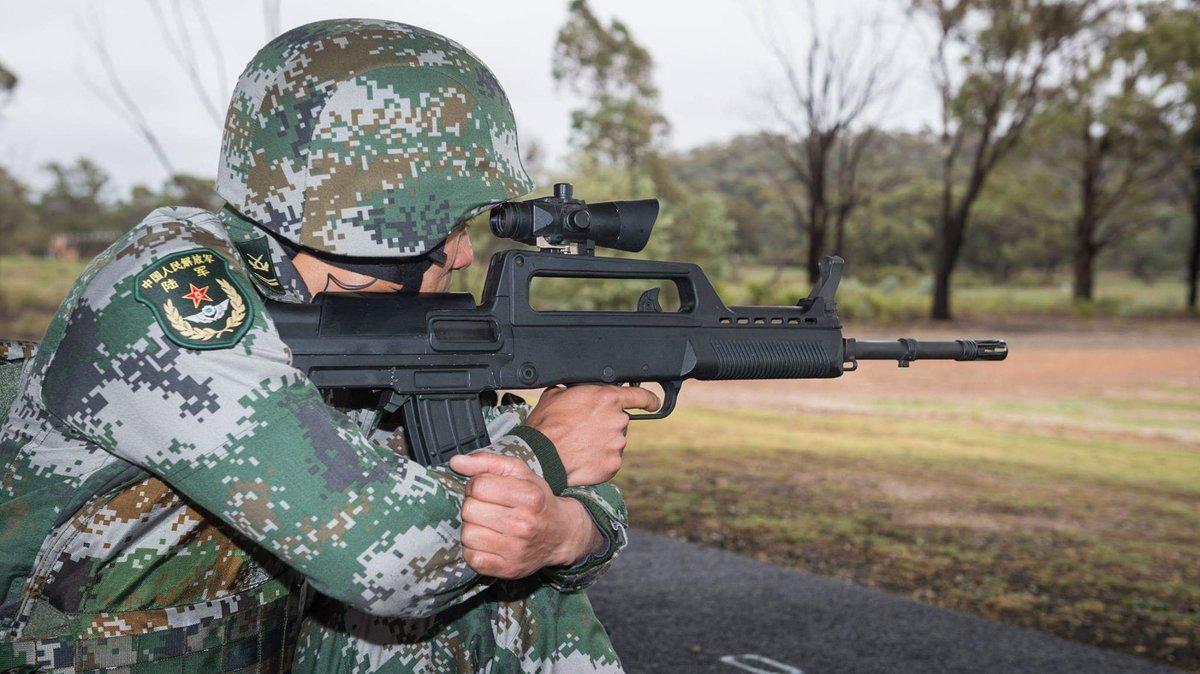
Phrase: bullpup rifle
pixel 432 356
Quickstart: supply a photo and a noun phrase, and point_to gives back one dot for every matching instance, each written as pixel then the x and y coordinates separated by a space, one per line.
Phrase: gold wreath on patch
pixel 184 324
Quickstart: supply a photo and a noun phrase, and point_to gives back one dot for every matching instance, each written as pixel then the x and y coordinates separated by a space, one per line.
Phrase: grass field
pixel 1069 507
pixel 892 299
pixel 1059 490
pixel 31 288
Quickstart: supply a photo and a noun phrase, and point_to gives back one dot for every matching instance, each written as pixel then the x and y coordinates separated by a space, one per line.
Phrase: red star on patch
pixel 197 296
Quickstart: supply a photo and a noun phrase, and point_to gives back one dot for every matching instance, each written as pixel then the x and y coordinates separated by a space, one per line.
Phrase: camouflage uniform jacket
pixel 172 488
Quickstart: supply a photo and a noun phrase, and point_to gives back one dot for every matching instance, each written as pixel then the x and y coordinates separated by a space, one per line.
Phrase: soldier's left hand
pixel 513 525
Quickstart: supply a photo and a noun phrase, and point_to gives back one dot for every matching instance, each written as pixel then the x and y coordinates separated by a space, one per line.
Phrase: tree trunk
pixel 818 218
pixel 839 235
pixel 941 290
pixel 1194 253
pixel 1194 256
pixel 1085 266
pixel 815 243
pixel 1085 227
pixel 949 242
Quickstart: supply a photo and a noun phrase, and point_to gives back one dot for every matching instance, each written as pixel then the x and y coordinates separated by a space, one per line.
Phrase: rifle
pixel 432 356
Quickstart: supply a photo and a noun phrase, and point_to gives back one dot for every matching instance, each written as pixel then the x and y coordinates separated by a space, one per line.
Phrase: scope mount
pixel 579 219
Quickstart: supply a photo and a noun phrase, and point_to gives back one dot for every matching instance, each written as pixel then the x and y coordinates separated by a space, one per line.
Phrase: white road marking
pixel 761 664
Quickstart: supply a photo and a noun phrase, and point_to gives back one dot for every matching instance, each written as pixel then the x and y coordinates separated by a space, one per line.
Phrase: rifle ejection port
pixel 464 334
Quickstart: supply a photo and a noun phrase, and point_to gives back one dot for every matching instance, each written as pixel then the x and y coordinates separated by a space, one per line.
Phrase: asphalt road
pixel 675 607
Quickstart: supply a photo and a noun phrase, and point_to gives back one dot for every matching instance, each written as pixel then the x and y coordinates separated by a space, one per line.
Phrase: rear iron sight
pixel 569 225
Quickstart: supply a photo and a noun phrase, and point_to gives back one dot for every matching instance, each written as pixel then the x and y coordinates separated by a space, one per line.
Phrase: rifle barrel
pixel 906 350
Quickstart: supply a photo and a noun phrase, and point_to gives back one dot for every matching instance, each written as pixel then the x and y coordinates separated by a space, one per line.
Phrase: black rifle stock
pixel 433 356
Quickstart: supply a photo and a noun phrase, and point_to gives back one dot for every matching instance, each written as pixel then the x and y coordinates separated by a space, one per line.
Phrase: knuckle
pixel 536 498
pixel 613 465
pixel 524 527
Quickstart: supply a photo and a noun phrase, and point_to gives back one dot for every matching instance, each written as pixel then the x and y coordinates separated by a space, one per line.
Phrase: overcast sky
pixel 711 67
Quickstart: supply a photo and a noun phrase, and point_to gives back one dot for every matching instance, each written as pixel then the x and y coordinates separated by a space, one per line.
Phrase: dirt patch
pixel 898 490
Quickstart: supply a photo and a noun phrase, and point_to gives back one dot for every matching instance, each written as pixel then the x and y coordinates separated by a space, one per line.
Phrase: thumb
pixel 479 463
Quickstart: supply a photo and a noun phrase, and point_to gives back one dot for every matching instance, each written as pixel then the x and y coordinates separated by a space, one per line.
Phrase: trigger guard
pixel 670 396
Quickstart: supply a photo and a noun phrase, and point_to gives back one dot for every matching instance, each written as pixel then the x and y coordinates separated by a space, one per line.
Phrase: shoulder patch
pixel 195 300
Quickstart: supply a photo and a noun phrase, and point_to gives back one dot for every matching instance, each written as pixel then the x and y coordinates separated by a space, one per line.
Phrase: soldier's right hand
pixel 587 425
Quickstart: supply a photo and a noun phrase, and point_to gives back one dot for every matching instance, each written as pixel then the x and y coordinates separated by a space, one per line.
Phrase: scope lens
pixel 504 221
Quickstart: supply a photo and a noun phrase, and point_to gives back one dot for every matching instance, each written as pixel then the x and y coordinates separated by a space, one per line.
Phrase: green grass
pixel 895 298
pixel 1092 539
pixel 31 288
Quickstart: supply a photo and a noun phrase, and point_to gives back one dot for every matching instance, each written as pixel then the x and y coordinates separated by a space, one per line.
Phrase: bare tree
pixel 992 64
pixel 191 54
pixel 183 52
pixel 1119 155
pixel 111 89
pixel 818 125
pixel 8 83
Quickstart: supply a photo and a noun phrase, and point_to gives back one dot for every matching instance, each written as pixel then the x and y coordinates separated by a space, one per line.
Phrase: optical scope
pixel 564 223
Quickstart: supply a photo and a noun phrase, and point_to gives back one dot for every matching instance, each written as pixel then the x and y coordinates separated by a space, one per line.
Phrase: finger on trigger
pixel 636 397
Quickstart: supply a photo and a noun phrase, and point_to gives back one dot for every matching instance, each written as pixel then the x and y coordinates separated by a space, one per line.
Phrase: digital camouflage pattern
pixel 12 350
pixel 13 354
pixel 172 507
pixel 367 138
pixel 535 625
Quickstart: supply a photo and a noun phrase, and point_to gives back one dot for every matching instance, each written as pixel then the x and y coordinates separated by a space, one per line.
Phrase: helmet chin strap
pixel 330 279
pixel 405 272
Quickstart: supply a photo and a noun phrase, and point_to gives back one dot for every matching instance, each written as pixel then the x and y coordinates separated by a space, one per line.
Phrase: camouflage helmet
pixel 367 138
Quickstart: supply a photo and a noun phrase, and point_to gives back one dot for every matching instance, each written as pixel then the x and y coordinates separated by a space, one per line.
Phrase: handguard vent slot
pixel 769 360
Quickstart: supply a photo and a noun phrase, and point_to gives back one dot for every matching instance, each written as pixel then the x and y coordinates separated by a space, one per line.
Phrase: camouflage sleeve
pixel 247 437
pixel 603 503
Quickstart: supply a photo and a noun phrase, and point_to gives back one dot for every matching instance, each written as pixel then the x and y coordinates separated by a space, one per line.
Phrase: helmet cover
pixel 367 138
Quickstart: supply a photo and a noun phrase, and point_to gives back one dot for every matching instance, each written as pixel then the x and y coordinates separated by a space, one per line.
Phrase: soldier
pixel 175 494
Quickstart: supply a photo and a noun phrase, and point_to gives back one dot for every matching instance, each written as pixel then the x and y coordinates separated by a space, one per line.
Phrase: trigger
pixel 648 303
pixel 670 396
